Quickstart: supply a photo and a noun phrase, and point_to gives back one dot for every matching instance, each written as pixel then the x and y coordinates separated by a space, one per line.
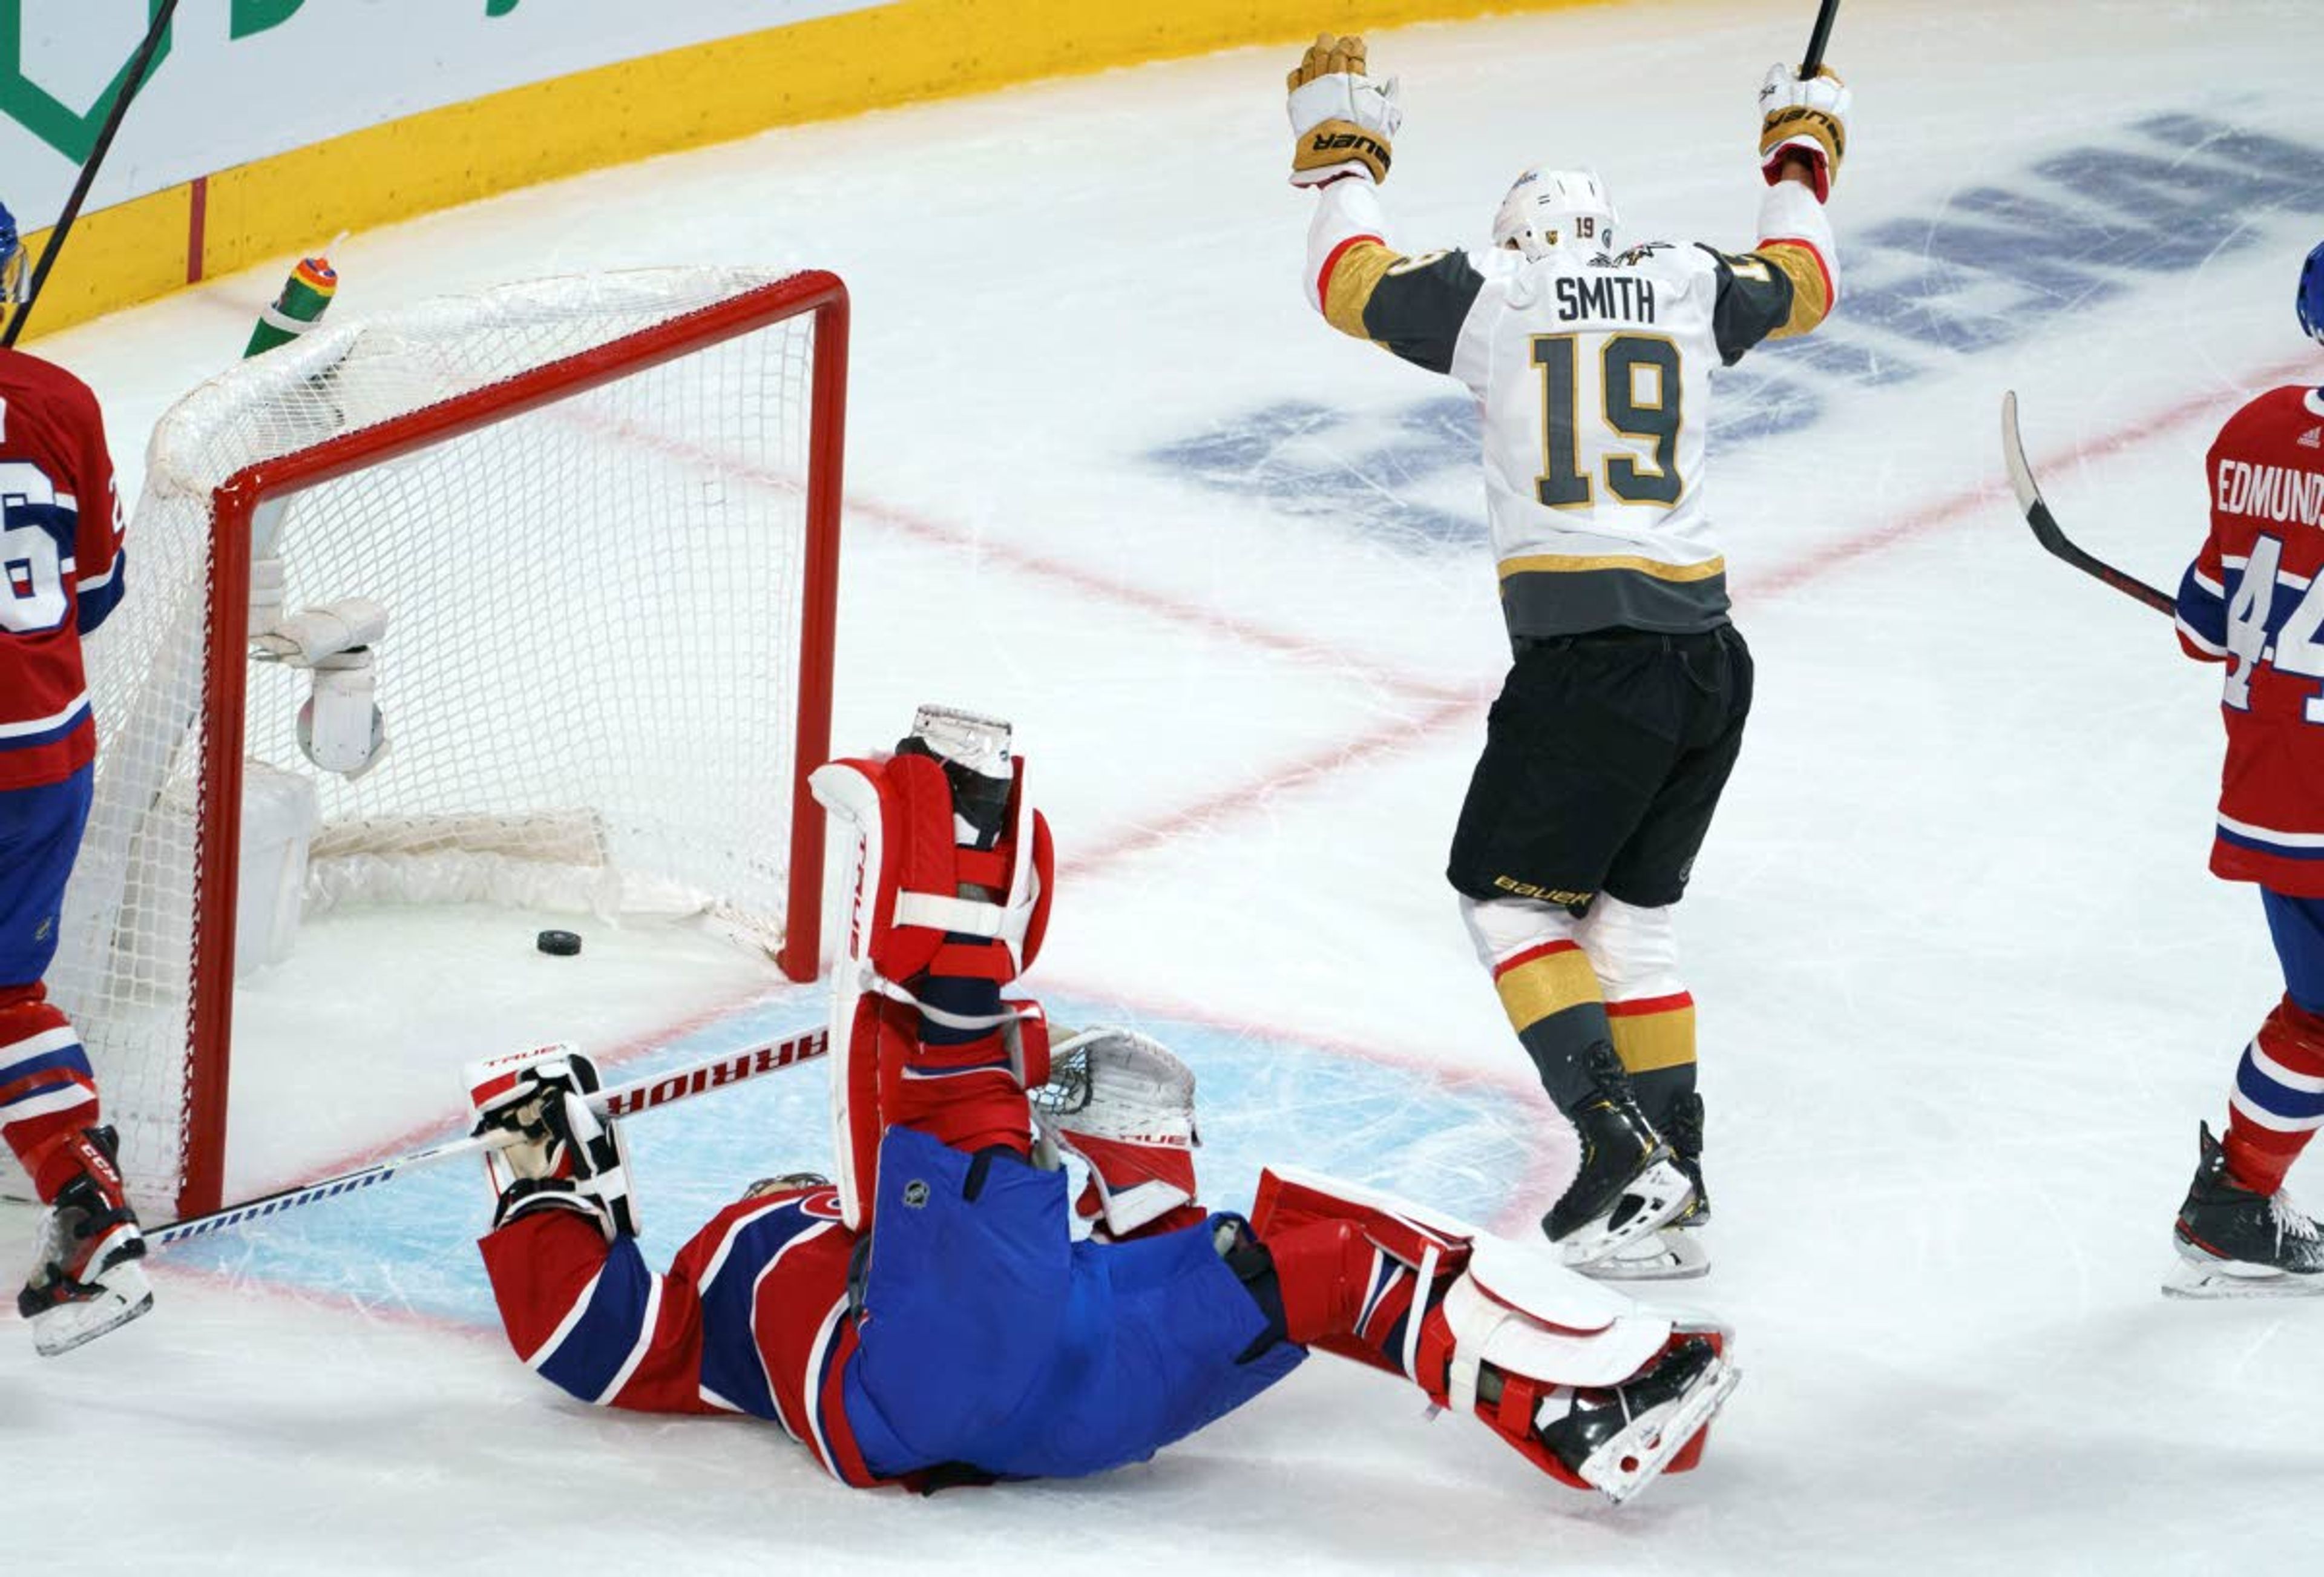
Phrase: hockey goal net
pixel 601 517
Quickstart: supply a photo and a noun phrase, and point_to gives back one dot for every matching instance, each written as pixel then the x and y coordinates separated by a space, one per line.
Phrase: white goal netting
pixel 590 676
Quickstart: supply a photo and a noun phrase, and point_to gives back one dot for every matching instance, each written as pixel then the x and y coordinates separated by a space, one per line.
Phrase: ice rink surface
pixel 1966 988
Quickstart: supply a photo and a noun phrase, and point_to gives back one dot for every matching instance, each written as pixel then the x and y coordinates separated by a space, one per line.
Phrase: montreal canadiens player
pixel 60 573
pixel 1624 710
pixel 2253 599
pixel 953 1309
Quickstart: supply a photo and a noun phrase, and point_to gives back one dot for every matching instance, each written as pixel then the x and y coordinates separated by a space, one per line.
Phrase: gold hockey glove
pixel 1807 119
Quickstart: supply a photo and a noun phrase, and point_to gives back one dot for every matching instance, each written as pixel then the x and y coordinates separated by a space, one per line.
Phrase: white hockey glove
pixel 565 1157
pixel 1807 119
pixel 1125 1104
pixel 1342 121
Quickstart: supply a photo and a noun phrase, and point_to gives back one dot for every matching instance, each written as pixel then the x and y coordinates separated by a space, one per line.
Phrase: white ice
pixel 1966 988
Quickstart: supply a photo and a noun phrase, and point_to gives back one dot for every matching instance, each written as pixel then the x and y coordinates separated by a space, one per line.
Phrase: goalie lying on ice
pixel 950 1310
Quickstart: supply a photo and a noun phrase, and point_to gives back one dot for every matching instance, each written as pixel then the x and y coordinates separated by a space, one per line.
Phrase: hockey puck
pixel 563 944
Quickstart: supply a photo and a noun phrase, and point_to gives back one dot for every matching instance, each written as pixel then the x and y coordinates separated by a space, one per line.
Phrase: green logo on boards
pixel 72 132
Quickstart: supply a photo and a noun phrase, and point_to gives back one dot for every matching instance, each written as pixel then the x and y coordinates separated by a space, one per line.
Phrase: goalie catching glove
pixel 1343 121
pixel 1806 119
pixel 565 1157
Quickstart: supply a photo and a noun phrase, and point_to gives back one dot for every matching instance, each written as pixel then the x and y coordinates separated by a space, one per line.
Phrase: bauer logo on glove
pixel 1344 120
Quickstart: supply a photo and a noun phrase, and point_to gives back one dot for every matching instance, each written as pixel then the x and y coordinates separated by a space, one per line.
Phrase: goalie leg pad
pixel 933 932
pixel 1503 1332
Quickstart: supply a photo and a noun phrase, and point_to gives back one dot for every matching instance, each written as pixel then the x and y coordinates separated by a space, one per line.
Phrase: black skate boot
pixel 2238 1242
pixel 1673 1251
pixel 85 1279
pixel 1628 1184
pixel 1618 1438
pixel 1683 1130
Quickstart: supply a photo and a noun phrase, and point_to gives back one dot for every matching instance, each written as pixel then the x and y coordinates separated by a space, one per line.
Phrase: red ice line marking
pixel 1044 566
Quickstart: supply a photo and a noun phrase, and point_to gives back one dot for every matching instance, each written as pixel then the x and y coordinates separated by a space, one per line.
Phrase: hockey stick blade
pixel 2046 530
pixel 716 1072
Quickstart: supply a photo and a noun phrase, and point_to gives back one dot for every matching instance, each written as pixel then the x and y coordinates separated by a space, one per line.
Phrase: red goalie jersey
pixel 2253 599
pixel 60 565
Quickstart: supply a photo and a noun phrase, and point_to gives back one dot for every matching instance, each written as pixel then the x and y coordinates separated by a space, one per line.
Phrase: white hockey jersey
pixel 1594 378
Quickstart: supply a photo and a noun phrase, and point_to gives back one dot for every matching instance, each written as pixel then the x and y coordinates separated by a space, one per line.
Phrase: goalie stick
pixel 2045 525
pixel 716 1072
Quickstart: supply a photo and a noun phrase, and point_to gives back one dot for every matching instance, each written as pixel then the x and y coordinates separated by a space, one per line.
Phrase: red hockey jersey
pixel 2253 599
pixel 750 1317
pixel 60 566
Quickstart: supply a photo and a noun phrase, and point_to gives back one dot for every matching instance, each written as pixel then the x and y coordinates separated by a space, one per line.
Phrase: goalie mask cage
pixel 602 515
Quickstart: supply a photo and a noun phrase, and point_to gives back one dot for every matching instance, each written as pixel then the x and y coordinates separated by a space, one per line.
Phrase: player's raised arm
pixel 1344 124
pixel 1790 280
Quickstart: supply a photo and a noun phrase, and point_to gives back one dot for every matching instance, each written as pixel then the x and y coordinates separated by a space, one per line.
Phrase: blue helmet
pixel 17 267
pixel 2311 295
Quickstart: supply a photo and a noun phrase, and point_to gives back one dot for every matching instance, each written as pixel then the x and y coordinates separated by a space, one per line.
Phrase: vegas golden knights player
pixel 1624 708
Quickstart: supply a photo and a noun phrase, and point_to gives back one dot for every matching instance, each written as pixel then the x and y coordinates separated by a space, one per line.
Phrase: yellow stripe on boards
pixel 907 52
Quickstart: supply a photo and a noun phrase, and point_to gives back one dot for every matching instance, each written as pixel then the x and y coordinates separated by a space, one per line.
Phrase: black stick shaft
pixel 1812 62
pixel 135 79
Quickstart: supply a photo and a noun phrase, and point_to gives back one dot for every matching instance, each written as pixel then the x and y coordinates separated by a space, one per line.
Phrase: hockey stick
pixel 130 84
pixel 2045 525
pixel 622 1101
pixel 1812 62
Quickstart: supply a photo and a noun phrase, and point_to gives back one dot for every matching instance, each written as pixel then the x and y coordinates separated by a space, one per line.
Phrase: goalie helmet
pixel 15 264
pixel 2311 295
pixel 1548 210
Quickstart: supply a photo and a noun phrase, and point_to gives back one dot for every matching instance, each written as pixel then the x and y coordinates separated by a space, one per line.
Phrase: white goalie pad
pixel 1520 1310
pixel 1512 1305
pixel 851 802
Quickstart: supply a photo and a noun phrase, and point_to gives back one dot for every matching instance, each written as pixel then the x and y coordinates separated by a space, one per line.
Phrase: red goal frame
pixel 202 1170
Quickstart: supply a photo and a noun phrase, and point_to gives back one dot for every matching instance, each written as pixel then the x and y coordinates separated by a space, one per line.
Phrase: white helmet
pixel 1547 209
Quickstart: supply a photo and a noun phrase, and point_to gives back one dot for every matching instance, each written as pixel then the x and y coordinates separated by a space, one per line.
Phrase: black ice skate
pixel 1674 1250
pixel 85 1279
pixel 1627 1184
pixel 2237 1242
pixel 1618 1440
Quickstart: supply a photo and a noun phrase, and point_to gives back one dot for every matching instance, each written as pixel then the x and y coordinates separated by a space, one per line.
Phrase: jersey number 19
pixel 1649 415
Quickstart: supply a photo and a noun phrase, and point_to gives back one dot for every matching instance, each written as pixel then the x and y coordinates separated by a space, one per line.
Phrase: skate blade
pixel 2214 1280
pixel 1631 1460
pixel 1671 1254
pixel 1667 1194
pixel 125 1296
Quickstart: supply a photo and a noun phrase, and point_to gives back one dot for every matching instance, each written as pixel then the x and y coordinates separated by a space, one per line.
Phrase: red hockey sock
pixel 47 1093
pixel 2278 1100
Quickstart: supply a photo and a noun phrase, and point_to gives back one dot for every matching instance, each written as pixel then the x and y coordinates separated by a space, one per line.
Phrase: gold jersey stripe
pixel 1356 273
pixel 1647 1041
pixel 1549 985
pixel 1811 293
pixel 1578 562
